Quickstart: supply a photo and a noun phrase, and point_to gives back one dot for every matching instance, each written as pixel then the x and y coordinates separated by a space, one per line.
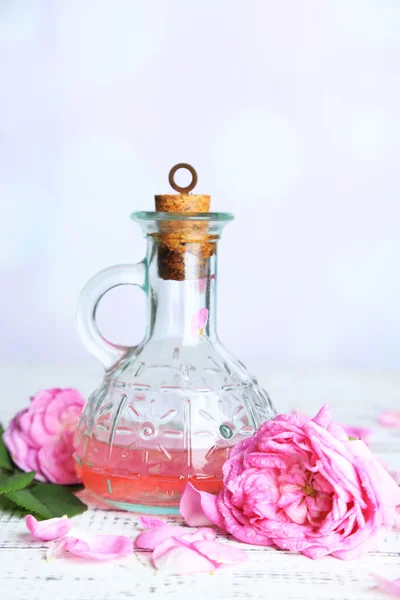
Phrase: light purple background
pixel 290 112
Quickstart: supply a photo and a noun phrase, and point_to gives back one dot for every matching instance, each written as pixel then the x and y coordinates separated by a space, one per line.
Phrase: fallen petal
pixel 199 508
pixel 179 557
pixel 202 534
pixel 50 529
pixel 390 418
pixel 195 555
pixel 363 433
pixel 390 587
pixel 151 538
pixel 223 554
pixel 97 547
pixel 150 522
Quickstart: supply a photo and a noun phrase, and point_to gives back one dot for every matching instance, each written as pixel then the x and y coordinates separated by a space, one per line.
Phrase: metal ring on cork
pixel 175 186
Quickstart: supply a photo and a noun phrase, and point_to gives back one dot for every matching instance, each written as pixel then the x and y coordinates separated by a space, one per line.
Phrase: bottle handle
pixel 107 352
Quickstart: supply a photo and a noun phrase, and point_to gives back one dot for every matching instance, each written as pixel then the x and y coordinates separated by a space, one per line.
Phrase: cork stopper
pixel 183 201
pixel 184 246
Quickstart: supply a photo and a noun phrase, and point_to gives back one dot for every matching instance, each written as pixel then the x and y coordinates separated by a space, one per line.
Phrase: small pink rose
pixel 40 437
pixel 300 484
pixel 50 529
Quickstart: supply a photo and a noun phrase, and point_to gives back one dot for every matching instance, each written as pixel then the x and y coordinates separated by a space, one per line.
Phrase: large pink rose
pixel 40 438
pixel 301 485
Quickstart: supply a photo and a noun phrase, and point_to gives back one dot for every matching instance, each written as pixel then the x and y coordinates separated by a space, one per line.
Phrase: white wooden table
pixel 268 574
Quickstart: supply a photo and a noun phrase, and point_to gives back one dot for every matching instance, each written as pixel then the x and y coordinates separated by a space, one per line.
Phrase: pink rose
pixel 40 438
pixel 301 485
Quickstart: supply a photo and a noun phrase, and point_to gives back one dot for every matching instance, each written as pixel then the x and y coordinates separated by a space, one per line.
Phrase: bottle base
pixel 140 508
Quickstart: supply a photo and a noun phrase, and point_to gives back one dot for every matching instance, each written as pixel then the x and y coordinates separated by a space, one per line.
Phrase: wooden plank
pixel 26 574
pixel 356 399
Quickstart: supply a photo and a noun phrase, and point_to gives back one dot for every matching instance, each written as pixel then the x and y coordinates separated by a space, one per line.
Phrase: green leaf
pixel 58 499
pixel 5 458
pixel 6 505
pixel 26 500
pixel 352 439
pixel 17 481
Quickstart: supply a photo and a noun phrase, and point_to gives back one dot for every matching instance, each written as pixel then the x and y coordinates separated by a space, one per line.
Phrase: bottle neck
pixel 181 310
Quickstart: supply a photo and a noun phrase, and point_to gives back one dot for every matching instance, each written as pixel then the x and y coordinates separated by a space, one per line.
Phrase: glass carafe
pixel 169 409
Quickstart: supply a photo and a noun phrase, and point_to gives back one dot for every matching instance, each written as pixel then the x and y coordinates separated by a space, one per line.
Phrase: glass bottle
pixel 168 410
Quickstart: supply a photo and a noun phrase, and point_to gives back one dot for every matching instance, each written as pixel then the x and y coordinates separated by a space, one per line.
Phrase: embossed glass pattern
pixel 168 410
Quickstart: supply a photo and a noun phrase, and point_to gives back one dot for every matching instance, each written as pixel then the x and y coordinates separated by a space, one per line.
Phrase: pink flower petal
pixel 97 547
pixel 56 461
pixel 49 530
pixel 222 554
pixel 180 558
pixel 63 411
pixel 195 554
pixel 363 433
pixel 390 418
pixel 200 284
pixel 199 508
pixel 199 320
pixel 202 534
pixel 151 522
pixel 390 587
pixel 41 399
pixel 396 476
pixel 151 538
pixel 323 416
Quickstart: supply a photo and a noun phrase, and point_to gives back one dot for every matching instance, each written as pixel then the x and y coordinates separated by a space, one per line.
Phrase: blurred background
pixel 289 111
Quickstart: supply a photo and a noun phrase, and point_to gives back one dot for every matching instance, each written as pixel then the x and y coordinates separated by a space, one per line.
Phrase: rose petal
pixel 396 476
pixel 179 557
pixel 199 508
pixel 390 418
pixel 57 463
pixel 24 456
pixel 195 554
pixel 63 411
pixel 41 399
pixel 50 529
pixel 97 547
pixel 323 416
pixel 380 479
pixel 151 522
pixel 222 554
pixel 363 433
pixel 199 321
pixel 151 538
pixel 202 534
pixel 390 587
